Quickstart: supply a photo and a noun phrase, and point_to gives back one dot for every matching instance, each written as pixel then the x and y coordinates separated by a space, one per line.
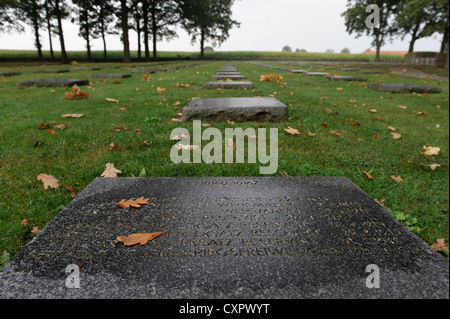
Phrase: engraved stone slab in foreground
pixel 226 238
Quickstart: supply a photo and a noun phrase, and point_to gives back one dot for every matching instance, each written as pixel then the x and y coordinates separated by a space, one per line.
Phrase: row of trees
pixel 155 20
pixel 414 18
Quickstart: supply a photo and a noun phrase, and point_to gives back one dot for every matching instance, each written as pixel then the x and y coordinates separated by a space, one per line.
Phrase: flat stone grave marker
pixel 228 73
pixel 371 72
pixel 228 85
pixel 228 70
pixel 345 78
pixel 82 68
pixel 226 238
pixel 299 71
pixel 6 74
pixel 349 69
pixel 264 109
pixel 404 88
pixel 51 71
pixel 229 76
pixel 316 73
pixel 141 71
pixel 109 76
pixel 52 83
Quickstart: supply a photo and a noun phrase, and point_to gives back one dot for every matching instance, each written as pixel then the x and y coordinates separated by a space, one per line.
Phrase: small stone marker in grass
pixel 404 88
pixel 267 109
pixel 51 71
pixel 228 85
pixel 52 83
pixel 109 76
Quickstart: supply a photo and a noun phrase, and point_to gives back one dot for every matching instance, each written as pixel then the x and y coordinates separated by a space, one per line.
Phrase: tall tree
pixel 7 20
pixel 356 16
pixel 417 18
pixel 136 13
pixel 162 15
pixel 48 21
pixel 207 20
pixel 31 12
pixel 122 13
pixel 442 23
pixel 103 21
pixel 59 10
pixel 85 17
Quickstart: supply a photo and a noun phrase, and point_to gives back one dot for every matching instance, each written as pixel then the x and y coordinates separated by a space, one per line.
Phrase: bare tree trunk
pixel 36 36
pixel 202 44
pixel 105 53
pixel 49 28
pixel 61 33
pixel 125 38
pixel 146 32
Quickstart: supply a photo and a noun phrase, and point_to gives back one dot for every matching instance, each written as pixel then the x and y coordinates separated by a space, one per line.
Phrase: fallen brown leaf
pixel 140 238
pixel 368 175
pixel 292 131
pixel 430 150
pixel 60 126
pixel 271 78
pixel 335 133
pixel 136 203
pixel 440 245
pixel 76 94
pixel 398 179
pixel 48 181
pixel 112 100
pixel 110 171
pixel 71 191
pixel 72 115
pixel 35 230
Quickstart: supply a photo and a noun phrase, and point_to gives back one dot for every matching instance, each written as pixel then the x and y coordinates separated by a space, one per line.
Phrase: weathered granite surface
pixel 82 68
pixel 52 83
pixel 345 78
pixel 266 109
pixel 51 71
pixel 371 72
pixel 6 74
pixel 226 238
pixel 404 88
pixel 228 85
pixel 109 76
pixel 316 73
pixel 299 71
pixel 228 76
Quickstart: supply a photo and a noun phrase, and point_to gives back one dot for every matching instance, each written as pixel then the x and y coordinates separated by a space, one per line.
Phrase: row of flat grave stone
pixel 53 82
pixel 382 87
pixel 226 238
pixel 267 109
pixel 8 74
pixel 167 68
pixel 226 80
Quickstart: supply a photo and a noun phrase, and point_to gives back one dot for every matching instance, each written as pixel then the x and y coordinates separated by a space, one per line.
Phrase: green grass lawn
pixel 78 154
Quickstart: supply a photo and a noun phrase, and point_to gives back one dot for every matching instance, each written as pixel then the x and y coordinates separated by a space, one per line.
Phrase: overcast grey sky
pixel 266 25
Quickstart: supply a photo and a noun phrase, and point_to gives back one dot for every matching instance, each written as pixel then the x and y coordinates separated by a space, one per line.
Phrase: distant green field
pixel 73 55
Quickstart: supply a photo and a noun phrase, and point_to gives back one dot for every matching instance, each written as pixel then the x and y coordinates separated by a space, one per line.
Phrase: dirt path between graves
pixel 411 72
